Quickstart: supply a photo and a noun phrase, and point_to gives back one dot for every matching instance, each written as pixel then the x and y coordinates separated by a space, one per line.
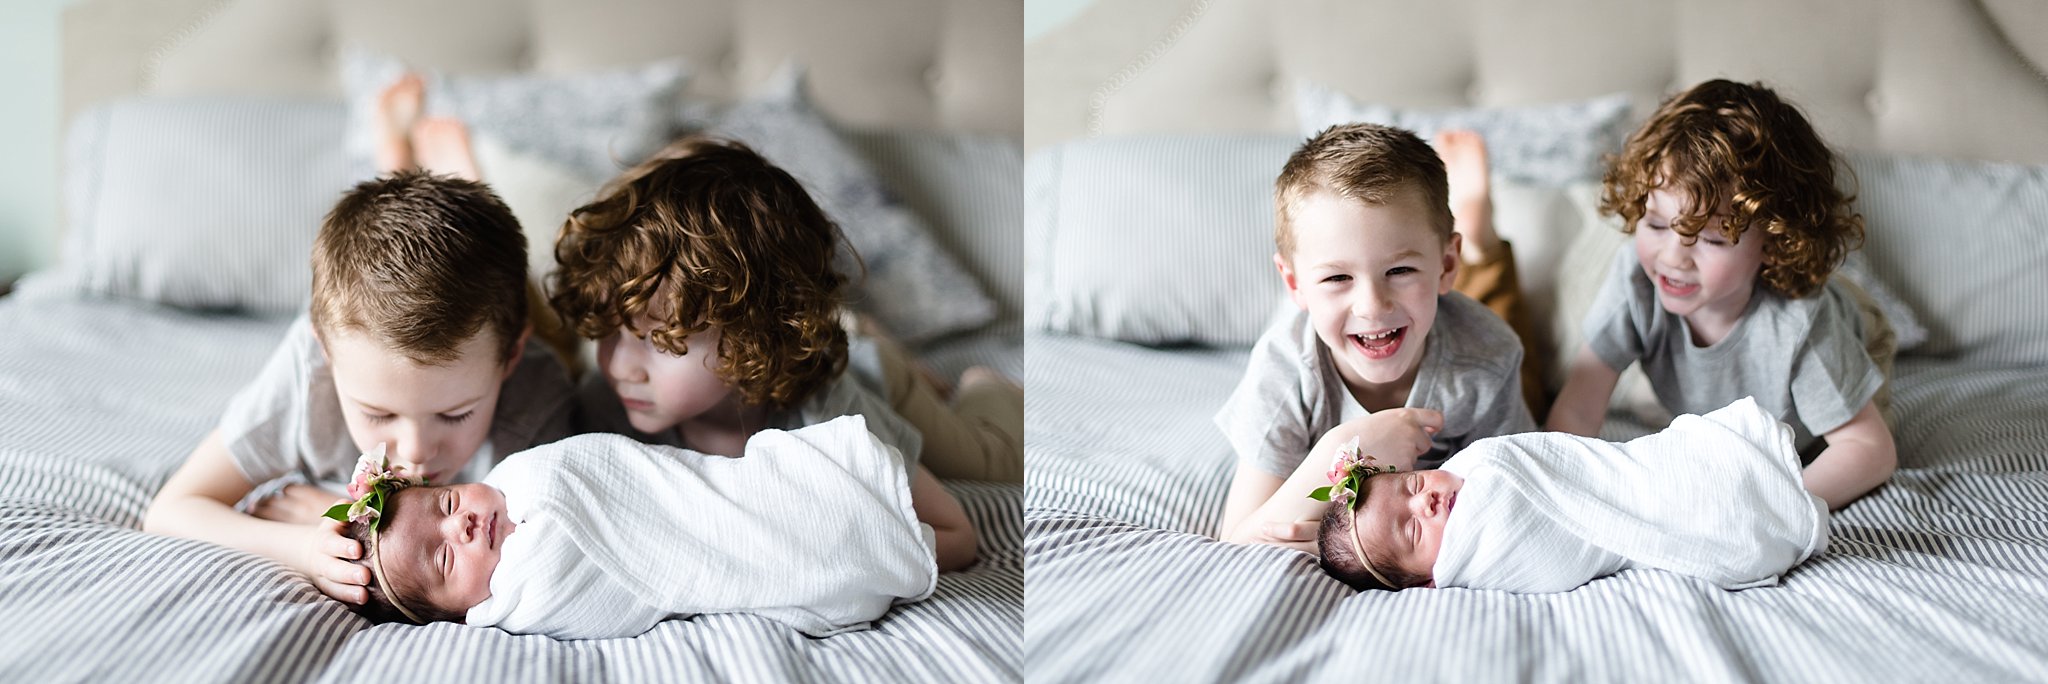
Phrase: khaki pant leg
pixel 1496 284
pixel 1882 344
pixel 980 437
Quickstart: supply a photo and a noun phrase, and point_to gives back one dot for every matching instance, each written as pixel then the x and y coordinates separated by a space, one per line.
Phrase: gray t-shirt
pixel 1803 359
pixel 288 421
pixel 1291 393
pixel 598 410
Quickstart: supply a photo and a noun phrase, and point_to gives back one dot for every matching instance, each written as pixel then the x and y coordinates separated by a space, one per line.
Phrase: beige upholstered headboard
pixel 950 65
pixel 1953 78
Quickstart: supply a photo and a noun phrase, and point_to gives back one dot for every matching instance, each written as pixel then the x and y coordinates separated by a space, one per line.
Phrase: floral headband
pixel 1347 475
pixel 372 487
pixel 1348 472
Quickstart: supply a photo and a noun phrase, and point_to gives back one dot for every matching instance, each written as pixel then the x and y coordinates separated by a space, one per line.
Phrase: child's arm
pixel 1249 489
pixel 1581 406
pixel 936 507
pixel 1287 517
pixel 297 503
pixel 198 503
pixel 1860 456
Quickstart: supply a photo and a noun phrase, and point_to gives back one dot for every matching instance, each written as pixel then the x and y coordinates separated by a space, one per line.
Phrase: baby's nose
pixel 1428 504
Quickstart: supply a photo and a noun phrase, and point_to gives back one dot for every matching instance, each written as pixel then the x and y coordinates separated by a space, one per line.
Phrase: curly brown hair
pixel 1362 162
pixel 1737 145
pixel 740 247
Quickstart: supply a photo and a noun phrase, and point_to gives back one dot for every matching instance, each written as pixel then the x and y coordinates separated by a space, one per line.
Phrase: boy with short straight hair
pixel 417 338
pixel 1383 347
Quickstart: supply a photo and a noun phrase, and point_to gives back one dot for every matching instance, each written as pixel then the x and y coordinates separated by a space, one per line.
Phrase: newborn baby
pixel 1718 497
pixel 600 536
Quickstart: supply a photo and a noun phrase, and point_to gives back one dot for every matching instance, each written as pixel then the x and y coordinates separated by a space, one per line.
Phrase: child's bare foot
pixel 398 109
pixel 441 145
pixel 1464 155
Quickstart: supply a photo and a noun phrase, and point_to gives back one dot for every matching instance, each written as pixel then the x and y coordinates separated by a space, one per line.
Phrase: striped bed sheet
pixel 101 400
pixel 1941 575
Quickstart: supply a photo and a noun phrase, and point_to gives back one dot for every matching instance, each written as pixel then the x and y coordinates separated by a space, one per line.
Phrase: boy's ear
pixel 1452 260
pixel 1287 276
pixel 518 349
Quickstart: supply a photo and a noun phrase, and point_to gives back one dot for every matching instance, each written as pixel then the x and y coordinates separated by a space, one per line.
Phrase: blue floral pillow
pixel 913 286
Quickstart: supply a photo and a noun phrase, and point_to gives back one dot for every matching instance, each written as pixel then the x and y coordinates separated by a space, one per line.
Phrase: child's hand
pixel 1299 535
pixel 323 557
pixel 1392 437
pixel 297 503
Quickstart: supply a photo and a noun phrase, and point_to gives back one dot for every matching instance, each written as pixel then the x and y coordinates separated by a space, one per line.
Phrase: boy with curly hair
pixel 706 275
pixel 1737 223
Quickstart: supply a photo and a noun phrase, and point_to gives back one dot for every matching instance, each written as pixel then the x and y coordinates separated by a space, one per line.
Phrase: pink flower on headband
pixel 1348 470
pixel 374 480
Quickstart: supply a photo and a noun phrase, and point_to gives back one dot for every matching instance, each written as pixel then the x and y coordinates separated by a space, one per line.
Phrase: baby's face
pixel 445 541
pixel 1402 518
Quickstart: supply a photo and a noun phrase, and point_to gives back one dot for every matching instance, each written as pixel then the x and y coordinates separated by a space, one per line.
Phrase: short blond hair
pixel 421 263
pixel 1364 162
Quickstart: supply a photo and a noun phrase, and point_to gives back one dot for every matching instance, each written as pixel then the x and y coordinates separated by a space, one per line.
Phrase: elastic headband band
pixel 390 592
pixel 1351 515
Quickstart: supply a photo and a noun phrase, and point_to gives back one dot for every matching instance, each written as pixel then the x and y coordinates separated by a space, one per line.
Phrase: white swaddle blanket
pixel 812 528
pixel 1717 497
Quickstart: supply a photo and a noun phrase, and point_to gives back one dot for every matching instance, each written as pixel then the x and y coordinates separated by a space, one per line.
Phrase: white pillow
pixel 913 286
pixel 201 202
pixel 540 193
pixel 595 123
pixel 1548 144
pixel 1153 239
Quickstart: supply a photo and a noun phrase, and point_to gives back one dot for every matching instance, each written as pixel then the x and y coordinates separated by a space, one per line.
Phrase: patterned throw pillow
pixel 913 286
pixel 1549 144
pixel 595 123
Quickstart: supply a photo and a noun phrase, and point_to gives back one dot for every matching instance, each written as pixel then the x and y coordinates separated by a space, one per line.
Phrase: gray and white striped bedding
pixel 101 400
pixel 1941 575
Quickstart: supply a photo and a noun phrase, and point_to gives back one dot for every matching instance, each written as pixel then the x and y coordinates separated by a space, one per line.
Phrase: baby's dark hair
pixel 1337 558
pixel 379 607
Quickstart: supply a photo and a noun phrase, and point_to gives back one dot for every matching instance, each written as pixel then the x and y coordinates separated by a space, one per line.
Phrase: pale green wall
pixel 1043 15
pixel 28 134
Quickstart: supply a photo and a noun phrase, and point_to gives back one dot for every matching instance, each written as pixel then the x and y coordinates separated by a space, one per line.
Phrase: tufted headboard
pixel 950 65
pixel 1953 78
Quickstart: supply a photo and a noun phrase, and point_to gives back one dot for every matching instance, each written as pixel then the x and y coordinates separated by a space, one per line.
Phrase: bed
pixel 202 138
pixel 1153 131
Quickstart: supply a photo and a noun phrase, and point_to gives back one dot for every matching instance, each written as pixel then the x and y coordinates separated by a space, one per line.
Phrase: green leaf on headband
pixel 1320 494
pixel 338 512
